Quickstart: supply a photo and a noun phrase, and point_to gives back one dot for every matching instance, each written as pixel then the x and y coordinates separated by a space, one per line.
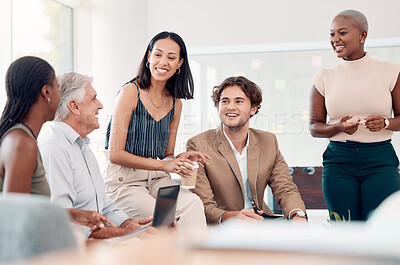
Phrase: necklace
pixel 29 128
pixel 155 104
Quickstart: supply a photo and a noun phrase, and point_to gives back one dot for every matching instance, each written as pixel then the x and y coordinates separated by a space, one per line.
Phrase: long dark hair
pixel 181 85
pixel 25 79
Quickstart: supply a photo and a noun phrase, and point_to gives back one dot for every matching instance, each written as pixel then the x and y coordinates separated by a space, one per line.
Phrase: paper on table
pixel 342 238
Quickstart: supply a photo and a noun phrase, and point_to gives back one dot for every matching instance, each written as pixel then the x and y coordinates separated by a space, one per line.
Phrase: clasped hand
pixel 374 123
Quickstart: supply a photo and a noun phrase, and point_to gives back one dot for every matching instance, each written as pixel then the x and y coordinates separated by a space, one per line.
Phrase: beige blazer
pixel 219 184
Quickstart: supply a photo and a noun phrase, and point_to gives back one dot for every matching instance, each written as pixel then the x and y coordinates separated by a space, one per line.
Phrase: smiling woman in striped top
pixel 142 132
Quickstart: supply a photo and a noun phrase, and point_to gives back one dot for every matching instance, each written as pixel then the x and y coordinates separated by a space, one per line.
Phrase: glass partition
pixel 284 77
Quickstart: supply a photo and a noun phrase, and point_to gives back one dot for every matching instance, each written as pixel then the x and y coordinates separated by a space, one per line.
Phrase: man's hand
pixel 126 227
pixel 299 219
pixel 143 221
pixel 249 215
pixel 131 225
pixel 245 214
pixel 91 219
pixel 137 223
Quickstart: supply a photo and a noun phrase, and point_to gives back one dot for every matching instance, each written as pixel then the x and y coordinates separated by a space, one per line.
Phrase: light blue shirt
pixel 73 172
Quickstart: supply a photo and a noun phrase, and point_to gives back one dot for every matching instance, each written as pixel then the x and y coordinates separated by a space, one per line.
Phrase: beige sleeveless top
pixel 39 183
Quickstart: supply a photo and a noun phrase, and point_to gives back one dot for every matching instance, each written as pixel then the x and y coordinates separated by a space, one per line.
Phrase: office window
pixel 5 45
pixel 42 28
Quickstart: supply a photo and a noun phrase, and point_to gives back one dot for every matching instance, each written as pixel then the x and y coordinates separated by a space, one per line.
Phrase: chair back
pixel 30 225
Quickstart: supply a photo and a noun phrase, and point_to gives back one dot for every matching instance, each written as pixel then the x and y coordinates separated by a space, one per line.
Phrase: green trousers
pixel 358 177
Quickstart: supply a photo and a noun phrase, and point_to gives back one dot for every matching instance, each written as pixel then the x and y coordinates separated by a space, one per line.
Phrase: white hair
pixel 357 17
pixel 71 86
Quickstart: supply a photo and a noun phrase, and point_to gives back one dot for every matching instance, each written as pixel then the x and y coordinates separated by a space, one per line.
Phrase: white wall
pixel 111 36
pixel 227 22
pixel 110 39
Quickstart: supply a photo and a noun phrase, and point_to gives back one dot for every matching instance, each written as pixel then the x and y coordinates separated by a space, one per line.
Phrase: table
pixel 172 249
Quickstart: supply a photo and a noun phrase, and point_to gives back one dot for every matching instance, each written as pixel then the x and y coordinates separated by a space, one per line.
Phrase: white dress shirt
pixel 242 161
pixel 73 172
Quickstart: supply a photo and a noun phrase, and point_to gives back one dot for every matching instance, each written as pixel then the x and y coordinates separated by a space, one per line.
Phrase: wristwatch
pixel 299 214
pixel 386 123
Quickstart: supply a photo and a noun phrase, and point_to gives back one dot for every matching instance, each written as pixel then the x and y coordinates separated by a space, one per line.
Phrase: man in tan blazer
pixel 244 160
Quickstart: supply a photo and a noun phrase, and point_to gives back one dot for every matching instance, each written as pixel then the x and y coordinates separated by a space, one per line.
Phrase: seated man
pixel 244 160
pixel 72 170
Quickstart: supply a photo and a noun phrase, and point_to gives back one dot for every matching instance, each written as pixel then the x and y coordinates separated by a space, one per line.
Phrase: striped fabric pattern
pixel 146 136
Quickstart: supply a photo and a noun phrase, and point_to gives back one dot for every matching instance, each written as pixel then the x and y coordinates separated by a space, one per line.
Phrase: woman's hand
pixel 199 157
pixel 346 126
pixel 91 219
pixel 375 123
pixel 179 166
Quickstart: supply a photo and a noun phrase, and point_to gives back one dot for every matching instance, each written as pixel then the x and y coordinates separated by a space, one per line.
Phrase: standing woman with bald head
pixel 361 97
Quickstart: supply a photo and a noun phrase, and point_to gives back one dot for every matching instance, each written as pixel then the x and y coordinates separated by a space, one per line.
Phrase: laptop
pixel 164 211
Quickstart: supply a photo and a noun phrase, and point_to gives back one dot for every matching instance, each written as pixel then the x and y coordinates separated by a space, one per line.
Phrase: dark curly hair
pixel 250 89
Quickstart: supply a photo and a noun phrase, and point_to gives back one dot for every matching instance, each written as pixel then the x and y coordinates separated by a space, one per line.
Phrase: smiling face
pixel 235 108
pixel 347 39
pixel 89 110
pixel 164 60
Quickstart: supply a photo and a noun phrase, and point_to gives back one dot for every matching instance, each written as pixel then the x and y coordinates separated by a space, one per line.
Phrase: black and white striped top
pixel 146 136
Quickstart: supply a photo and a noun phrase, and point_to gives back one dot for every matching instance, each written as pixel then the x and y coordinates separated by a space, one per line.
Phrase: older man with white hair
pixel 72 170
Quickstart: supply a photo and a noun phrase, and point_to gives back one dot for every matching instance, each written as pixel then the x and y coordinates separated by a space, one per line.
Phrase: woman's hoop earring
pixel 49 101
pixel 148 65
pixel 178 71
